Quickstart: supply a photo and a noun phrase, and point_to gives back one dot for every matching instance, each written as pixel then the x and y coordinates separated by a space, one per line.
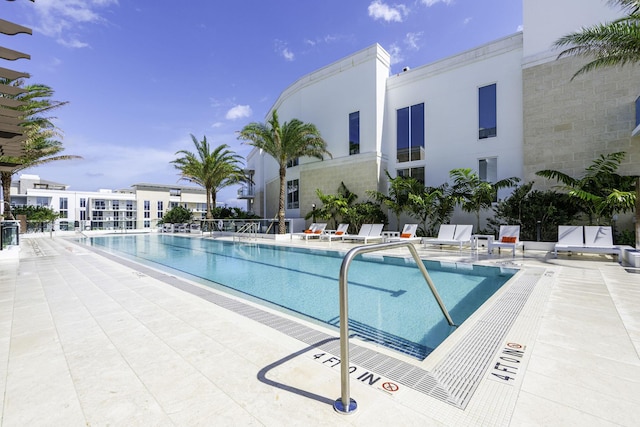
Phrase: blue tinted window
pixel 410 133
pixel 487 104
pixel 354 133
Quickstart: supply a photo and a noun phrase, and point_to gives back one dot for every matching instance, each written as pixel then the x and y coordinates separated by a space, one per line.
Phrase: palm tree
pixel 334 206
pixel 213 170
pixel 474 194
pixel 285 142
pixel 601 192
pixel 40 147
pixel 610 44
pixel 398 199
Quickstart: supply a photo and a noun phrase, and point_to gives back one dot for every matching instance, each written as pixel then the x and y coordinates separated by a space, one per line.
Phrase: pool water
pixel 389 301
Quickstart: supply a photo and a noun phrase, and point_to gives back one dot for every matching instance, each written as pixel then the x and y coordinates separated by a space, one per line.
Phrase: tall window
pixel 160 208
pixel 488 169
pixel 115 205
pixel 354 133
pixel 83 202
pixel 410 133
pixel 293 194
pixel 487 112
pixel 64 206
pixel 293 162
pixel 416 173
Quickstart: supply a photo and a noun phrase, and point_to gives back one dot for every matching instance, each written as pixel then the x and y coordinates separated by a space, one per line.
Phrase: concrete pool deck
pixel 88 340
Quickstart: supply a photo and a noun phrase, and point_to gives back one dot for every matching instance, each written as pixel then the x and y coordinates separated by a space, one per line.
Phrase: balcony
pixel 246 193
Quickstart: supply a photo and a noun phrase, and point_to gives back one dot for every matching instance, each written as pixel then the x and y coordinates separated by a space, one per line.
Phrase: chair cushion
pixel 308 231
pixel 339 233
pixel 405 235
pixel 317 232
pixel 508 239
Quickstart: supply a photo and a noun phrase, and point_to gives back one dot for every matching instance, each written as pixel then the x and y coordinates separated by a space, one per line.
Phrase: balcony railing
pixel 246 193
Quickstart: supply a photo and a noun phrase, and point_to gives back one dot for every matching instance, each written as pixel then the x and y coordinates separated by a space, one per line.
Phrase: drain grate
pixel 453 380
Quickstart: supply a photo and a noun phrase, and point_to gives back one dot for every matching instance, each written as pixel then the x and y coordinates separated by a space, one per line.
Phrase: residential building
pixel 140 207
pixel 504 109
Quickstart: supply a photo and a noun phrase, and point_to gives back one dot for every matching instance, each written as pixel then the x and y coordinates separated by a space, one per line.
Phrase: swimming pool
pixel 389 301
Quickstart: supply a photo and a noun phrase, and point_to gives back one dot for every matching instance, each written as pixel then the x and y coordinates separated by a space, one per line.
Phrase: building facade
pixel 140 207
pixel 504 109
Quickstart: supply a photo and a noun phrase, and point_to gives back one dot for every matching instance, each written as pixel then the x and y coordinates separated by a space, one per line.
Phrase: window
pixel 147 214
pixel 293 194
pixel 488 172
pixel 115 204
pixel 488 169
pixel 292 162
pixel 147 224
pixel 129 205
pixel 415 173
pixel 487 115
pixel 354 133
pixel 147 205
pixel 100 204
pixel 83 215
pixel 160 213
pixel 83 203
pixel 160 206
pixel 64 206
pixel 410 133
pixel 638 111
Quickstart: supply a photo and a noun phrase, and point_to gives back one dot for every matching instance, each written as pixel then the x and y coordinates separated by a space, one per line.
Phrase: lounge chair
pixel 587 239
pixel 451 234
pixel 314 230
pixel 509 237
pixel 367 233
pixel 340 232
pixel 408 234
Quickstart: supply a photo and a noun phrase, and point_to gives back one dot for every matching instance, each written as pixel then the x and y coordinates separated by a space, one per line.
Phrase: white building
pixel 137 208
pixel 507 108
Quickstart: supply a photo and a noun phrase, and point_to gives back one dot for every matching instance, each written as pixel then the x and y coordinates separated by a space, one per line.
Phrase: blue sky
pixel 142 75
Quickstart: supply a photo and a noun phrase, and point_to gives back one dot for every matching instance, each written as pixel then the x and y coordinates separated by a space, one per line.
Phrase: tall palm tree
pixel 609 44
pixel 285 142
pixel 213 170
pixel 40 145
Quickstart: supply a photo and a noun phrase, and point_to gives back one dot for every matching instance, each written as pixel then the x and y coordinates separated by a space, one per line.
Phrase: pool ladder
pixel 344 404
pixel 249 229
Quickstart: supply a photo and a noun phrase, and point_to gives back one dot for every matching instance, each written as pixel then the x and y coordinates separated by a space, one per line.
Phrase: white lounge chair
pixel 368 232
pixel 587 239
pixel 314 230
pixel 451 234
pixel 408 234
pixel 340 232
pixel 509 237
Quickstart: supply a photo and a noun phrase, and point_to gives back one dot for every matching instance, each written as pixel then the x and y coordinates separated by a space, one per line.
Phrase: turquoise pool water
pixel 389 301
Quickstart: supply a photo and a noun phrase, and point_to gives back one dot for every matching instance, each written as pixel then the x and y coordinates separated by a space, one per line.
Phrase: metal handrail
pixel 250 228
pixel 344 404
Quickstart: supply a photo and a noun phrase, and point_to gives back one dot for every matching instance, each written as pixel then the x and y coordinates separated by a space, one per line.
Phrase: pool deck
pixel 89 341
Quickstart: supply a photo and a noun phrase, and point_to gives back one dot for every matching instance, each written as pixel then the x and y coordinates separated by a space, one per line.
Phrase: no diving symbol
pixel 389 386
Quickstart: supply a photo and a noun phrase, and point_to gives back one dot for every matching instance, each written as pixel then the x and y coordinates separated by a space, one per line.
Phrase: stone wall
pixel 569 123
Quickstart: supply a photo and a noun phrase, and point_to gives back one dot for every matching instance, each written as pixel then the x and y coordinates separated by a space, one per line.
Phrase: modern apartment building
pixel 139 207
pixel 506 108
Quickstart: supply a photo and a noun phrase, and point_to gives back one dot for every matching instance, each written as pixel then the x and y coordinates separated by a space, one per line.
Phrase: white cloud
pixel 380 10
pixel 238 112
pixel 396 54
pixel 287 54
pixel 58 18
pixel 412 40
pixel 466 21
pixel 282 49
pixel 217 125
pixel 430 3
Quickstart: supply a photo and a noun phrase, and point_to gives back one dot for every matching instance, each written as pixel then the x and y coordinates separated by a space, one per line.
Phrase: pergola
pixel 11 133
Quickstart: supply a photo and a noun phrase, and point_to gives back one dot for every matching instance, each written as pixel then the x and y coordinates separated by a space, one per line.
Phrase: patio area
pixel 88 339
